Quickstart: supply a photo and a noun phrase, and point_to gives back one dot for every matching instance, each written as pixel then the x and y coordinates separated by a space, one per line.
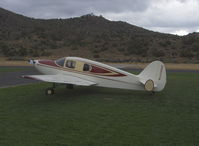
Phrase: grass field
pixel 89 116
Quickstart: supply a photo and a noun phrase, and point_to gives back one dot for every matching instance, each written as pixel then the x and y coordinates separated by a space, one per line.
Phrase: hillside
pixel 92 37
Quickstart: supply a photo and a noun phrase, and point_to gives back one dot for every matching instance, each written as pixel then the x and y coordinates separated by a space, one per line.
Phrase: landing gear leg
pixel 152 92
pixel 50 91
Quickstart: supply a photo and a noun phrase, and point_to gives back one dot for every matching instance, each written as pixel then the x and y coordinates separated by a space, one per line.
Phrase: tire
pixel 149 85
pixel 49 91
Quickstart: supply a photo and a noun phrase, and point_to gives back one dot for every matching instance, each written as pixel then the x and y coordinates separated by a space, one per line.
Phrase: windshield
pixel 60 61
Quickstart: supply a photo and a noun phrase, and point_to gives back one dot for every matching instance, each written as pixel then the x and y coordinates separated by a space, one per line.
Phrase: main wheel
pixel 49 91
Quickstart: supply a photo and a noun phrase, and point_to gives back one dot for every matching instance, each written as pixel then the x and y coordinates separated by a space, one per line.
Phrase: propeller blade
pixel 31 61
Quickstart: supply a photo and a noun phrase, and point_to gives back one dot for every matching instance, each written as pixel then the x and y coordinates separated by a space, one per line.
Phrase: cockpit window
pixel 60 61
pixel 86 67
pixel 70 64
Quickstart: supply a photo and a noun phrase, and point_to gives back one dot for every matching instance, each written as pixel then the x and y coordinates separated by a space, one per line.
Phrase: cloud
pixel 169 16
pixel 52 8
pixel 180 32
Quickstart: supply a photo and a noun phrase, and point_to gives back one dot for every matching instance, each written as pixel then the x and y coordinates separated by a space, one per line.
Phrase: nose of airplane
pixel 31 61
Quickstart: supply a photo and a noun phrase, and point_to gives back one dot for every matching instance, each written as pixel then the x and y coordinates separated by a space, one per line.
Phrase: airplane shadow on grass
pixel 98 92
pixel 86 95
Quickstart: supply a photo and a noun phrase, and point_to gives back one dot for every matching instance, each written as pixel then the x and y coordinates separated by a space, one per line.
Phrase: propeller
pixel 31 61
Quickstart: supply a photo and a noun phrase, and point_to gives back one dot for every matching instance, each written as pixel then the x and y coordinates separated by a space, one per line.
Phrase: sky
pixel 168 16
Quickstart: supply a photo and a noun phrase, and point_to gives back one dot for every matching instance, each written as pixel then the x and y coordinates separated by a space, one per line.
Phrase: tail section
pixel 153 77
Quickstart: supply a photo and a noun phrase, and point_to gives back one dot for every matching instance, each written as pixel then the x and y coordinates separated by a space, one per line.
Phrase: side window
pixel 86 67
pixel 70 64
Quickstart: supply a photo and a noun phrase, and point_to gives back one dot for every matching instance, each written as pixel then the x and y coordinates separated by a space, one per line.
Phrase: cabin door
pixel 79 66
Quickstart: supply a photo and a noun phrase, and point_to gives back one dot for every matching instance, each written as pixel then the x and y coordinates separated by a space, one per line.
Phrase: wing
pixel 65 79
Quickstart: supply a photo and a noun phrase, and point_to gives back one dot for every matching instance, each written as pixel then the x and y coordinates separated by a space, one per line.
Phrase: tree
pixel 158 53
pixel 22 51
pixel 186 53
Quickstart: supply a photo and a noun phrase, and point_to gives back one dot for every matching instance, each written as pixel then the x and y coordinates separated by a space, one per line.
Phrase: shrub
pixel 121 49
pixel 22 51
pixel 186 53
pixel 165 43
pixel 96 56
pixel 158 53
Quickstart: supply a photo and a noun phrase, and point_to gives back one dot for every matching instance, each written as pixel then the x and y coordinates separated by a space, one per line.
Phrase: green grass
pixel 101 116
pixel 10 69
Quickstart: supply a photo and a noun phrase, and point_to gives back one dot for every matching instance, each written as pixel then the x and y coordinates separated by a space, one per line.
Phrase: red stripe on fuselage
pixel 103 71
pixel 116 75
pixel 48 62
pixel 96 70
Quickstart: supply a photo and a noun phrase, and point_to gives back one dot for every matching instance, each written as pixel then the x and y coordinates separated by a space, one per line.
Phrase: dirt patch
pixel 170 66
pixel 14 63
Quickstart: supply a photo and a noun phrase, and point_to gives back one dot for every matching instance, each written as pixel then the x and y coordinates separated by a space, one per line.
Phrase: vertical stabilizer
pixel 153 76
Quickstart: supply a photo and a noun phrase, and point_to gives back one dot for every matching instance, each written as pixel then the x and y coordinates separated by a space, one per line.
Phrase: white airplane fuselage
pixel 84 72
pixel 101 74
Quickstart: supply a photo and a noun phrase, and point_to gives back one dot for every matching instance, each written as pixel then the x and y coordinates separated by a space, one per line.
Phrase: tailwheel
pixel 152 92
pixel 149 86
pixel 49 91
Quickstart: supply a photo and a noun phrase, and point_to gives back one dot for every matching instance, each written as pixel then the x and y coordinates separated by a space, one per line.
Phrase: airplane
pixel 84 72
